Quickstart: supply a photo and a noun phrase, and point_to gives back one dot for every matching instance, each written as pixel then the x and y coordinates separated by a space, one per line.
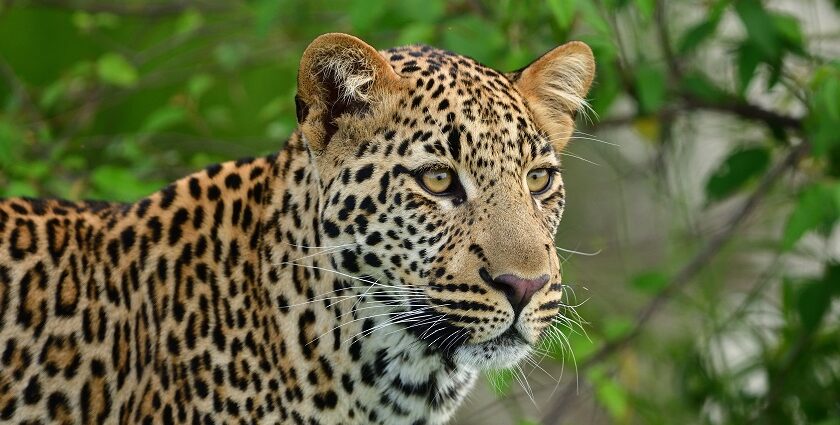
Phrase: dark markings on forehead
pixel 466 92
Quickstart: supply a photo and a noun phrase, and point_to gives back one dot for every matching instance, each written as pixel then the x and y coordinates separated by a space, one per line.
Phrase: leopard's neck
pixel 360 368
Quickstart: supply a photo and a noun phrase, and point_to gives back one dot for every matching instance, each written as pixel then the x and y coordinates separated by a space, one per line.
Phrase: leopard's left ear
pixel 555 88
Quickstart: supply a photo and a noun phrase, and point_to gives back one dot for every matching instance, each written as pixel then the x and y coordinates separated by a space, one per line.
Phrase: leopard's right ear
pixel 339 75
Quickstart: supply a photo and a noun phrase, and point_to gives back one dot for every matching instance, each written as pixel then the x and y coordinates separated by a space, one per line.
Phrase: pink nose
pixel 518 290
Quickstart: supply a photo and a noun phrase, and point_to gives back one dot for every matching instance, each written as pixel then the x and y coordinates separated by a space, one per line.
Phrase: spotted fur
pixel 321 285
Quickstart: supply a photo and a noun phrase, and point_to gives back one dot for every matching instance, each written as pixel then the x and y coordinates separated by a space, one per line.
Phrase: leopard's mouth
pixel 453 342
pixel 511 336
pixel 502 351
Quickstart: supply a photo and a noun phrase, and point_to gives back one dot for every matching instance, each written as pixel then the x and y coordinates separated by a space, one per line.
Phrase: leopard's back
pixel 53 306
pixel 132 311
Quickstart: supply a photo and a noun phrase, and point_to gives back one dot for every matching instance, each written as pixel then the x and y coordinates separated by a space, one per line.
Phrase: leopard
pixel 399 244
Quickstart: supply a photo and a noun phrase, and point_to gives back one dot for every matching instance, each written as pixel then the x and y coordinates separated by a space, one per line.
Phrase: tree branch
pixel 747 111
pixel 740 109
pixel 148 10
pixel 685 275
pixel 661 19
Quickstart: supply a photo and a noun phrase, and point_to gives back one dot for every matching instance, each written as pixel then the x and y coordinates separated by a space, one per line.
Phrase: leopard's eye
pixel 538 180
pixel 437 181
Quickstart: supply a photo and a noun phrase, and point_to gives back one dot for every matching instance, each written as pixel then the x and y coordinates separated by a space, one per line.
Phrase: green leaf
pixel 474 37
pixel 593 17
pixel 775 74
pixel 759 25
pixel 609 393
pixel 704 29
pixel 829 100
pixel 696 35
pixel 789 32
pixel 616 327
pixel 199 84
pixel 266 13
pixel 219 115
pixel 121 184
pixel 813 301
pixel 366 14
pixel 84 21
pixel 273 109
pixel 35 169
pixel 650 282
pixel 74 162
pixel 616 4
pixel 189 21
pixel 564 12
pixel 740 168
pixel 278 130
pixel 646 8
pixel 817 208
pixel 416 32
pixel 19 188
pixel 824 114
pixel 421 11
pixel 748 58
pixel 650 87
pixel 115 69
pixel 701 87
pixel 789 295
pixel 163 118
pixel 88 21
pixel 610 83
pixel 832 278
pixel 52 94
pixel 230 55
pixel 107 20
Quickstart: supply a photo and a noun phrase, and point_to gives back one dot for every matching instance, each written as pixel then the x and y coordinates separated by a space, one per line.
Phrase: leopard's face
pixel 442 201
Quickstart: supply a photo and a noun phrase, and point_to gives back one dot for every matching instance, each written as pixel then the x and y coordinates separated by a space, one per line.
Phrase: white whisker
pixel 569 154
pixel 586 254
pixel 319 247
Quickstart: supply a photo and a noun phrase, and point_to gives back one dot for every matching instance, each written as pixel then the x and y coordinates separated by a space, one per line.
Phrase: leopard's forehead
pixel 470 79
pixel 483 106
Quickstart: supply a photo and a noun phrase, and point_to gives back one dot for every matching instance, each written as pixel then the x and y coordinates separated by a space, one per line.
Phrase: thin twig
pixel 661 19
pixel 684 276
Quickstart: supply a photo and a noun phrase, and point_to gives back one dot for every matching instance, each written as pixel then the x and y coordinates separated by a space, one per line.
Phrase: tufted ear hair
pixel 339 74
pixel 555 87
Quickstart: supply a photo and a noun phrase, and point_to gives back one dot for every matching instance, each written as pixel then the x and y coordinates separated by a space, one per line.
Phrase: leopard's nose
pixel 518 290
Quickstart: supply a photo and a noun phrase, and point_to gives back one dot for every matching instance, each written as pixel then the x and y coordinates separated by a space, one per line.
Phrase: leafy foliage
pixel 113 99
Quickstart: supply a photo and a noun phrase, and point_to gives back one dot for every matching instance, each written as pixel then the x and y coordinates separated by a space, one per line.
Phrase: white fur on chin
pixel 491 355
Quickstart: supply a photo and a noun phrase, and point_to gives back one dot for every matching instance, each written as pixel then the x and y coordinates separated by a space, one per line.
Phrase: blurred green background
pixel 700 241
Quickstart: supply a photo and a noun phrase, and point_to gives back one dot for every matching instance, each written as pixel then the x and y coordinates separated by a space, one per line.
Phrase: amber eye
pixel 538 180
pixel 437 181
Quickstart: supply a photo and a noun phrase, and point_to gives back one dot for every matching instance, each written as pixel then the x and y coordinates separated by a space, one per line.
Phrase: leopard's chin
pixel 501 352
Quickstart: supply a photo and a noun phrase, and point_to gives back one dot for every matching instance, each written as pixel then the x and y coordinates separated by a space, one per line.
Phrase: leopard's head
pixel 440 184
